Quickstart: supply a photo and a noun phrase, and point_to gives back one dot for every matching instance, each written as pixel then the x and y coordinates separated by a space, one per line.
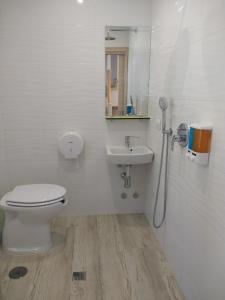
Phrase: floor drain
pixel 17 272
pixel 79 275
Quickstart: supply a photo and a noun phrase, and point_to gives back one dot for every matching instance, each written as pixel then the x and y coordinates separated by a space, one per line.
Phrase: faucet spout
pixel 127 141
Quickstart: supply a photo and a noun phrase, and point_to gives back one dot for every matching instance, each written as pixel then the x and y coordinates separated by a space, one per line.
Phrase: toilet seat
pixel 51 202
pixel 35 195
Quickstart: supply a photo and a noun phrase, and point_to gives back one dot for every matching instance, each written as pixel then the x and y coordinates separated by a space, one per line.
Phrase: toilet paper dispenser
pixel 71 145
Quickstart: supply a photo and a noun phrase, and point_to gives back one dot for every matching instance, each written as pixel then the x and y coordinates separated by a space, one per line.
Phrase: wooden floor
pixel 119 254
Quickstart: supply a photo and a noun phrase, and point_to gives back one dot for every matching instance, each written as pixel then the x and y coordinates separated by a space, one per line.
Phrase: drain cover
pixel 17 272
pixel 79 275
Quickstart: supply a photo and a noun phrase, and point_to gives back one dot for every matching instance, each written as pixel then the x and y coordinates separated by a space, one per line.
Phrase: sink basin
pixel 122 155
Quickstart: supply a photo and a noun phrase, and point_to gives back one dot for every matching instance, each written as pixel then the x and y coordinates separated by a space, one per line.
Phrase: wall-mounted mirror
pixel 127 71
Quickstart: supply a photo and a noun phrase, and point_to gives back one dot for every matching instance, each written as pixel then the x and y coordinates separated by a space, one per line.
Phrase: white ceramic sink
pixel 122 155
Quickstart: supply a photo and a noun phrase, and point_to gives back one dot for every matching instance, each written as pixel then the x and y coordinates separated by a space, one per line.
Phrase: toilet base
pixel 18 236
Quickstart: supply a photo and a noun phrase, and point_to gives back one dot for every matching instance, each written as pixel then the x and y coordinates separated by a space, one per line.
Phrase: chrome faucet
pixel 127 140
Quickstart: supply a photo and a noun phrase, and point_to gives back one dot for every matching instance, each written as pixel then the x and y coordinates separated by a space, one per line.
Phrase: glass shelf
pixel 127 118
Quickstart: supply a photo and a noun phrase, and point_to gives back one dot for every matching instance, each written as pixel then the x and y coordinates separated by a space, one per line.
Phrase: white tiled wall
pixel 52 80
pixel 188 66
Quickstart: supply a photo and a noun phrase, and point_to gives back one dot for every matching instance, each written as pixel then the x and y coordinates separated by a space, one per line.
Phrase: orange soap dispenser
pixel 199 143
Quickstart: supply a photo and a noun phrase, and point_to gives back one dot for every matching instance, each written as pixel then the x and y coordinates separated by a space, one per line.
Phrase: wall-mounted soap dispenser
pixel 199 143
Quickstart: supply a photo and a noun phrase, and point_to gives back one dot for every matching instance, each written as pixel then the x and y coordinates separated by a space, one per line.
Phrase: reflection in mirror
pixel 127 68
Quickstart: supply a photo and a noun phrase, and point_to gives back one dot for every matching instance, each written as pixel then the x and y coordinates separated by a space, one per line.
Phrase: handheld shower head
pixel 163 103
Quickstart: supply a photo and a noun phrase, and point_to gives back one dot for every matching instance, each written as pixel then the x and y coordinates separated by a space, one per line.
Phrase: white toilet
pixel 28 210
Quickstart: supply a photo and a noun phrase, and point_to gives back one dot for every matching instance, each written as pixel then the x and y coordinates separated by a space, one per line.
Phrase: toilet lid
pixel 35 194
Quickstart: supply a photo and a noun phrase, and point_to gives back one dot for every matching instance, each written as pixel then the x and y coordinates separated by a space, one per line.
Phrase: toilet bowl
pixel 28 210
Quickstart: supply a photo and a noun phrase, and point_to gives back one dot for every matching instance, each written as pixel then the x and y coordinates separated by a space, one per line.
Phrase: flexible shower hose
pixel 159 181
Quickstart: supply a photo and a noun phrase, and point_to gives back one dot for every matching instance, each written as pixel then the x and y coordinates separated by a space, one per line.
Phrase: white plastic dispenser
pixel 71 145
pixel 199 143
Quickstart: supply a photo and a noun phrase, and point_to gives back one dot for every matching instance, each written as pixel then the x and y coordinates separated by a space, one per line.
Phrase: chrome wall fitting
pixel 181 137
